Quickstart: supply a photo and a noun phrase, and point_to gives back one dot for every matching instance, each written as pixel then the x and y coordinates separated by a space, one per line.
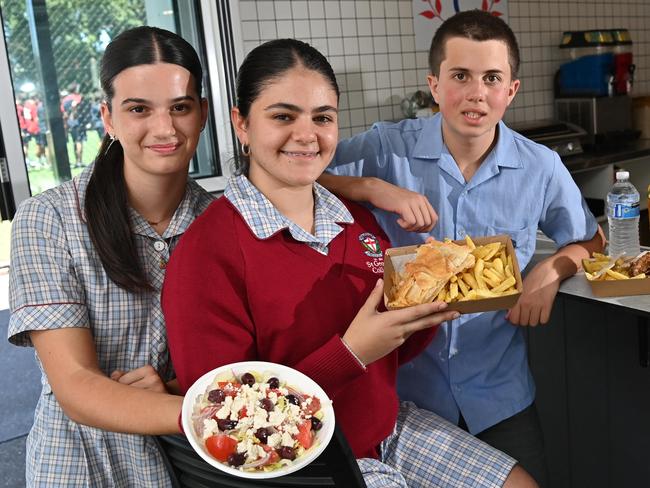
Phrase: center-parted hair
pixel 106 204
pixel 476 25
pixel 268 62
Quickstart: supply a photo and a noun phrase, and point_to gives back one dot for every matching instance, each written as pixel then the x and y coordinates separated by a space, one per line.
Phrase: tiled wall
pixel 371 46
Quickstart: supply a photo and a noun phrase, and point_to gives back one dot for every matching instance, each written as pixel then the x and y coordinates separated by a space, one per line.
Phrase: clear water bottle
pixel 623 217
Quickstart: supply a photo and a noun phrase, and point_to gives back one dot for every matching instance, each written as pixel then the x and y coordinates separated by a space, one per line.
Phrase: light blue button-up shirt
pixel 476 364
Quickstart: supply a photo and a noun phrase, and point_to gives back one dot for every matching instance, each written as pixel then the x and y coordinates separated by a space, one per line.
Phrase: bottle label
pixel 626 211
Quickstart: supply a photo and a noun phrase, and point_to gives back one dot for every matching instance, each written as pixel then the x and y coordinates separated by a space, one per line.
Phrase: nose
pixel 476 90
pixel 304 130
pixel 163 125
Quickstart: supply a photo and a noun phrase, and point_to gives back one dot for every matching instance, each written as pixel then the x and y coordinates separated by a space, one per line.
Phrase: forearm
pixel 91 398
pixel 88 396
pixel 357 189
pixel 568 260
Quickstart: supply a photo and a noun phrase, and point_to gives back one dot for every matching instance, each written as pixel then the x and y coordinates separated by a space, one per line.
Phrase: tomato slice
pixel 229 388
pixel 312 407
pixel 221 446
pixel 304 435
pixel 273 458
pixel 243 413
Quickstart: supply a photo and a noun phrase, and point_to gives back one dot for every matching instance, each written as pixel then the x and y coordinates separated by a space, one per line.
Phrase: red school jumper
pixel 229 297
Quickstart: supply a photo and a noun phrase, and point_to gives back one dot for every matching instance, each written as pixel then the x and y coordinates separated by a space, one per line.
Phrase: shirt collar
pixel 181 220
pixel 264 220
pixel 503 154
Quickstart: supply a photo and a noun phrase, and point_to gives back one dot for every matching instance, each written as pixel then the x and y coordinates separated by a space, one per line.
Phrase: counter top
pixel 591 159
pixel 577 286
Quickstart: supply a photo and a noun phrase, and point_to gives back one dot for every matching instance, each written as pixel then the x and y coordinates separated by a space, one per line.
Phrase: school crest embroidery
pixel 371 245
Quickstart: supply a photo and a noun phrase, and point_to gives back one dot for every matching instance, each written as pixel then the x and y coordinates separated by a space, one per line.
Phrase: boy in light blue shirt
pixel 463 172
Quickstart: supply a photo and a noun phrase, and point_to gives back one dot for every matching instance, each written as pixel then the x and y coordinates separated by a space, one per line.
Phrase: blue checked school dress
pixel 56 281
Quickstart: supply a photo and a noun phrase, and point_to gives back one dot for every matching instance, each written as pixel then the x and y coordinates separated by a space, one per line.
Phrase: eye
pixel 180 107
pixel 137 109
pixel 324 119
pixel 282 117
pixel 492 78
pixel 460 76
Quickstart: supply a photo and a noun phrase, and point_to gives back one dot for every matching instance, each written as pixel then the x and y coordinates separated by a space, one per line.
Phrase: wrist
pixel 180 422
pixel 354 354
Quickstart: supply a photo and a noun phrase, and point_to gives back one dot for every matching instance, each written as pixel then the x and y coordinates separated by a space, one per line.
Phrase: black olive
pixel 248 379
pixel 316 424
pixel 287 453
pixel 293 399
pixel 216 396
pixel 274 382
pixel 237 458
pixel 226 424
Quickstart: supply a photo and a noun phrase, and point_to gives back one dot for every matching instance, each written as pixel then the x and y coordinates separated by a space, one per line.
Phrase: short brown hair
pixel 476 25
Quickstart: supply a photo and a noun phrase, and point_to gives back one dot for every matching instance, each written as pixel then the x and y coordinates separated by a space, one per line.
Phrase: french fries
pixel 603 268
pixel 490 277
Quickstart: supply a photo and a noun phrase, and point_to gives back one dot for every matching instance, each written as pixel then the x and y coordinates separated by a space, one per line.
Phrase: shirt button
pixel 162 347
pixel 461 232
pixel 160 246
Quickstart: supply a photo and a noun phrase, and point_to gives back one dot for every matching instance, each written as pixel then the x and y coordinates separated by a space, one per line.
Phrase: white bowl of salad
pixel 257 419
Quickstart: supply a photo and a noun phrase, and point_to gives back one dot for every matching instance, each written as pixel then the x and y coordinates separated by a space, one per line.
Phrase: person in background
pixel 41 137
pixel 276 270
pixel 482 179
pixel 87 265
pixel 72 107
pixel 96 123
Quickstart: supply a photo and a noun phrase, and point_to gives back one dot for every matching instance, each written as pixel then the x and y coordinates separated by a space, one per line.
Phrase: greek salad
pixel 256 422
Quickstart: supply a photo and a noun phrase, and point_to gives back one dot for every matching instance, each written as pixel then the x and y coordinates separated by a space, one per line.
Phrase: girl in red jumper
pixel 281 270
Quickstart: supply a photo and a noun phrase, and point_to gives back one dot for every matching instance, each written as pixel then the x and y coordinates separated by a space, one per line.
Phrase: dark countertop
pixel 591 159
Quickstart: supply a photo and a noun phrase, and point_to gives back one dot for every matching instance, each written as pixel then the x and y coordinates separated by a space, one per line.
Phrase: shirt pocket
pixel 523 240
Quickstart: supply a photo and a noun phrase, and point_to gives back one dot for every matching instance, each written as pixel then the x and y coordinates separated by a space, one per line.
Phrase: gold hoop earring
pixel 245 149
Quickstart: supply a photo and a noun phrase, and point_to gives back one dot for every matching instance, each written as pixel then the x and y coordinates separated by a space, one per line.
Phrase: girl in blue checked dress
pixel 87 264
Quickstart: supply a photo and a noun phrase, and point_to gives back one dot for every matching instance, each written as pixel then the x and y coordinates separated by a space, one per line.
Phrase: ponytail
pixel 107 217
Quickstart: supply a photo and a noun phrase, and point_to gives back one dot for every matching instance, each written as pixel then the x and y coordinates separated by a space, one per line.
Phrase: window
pixel 49 87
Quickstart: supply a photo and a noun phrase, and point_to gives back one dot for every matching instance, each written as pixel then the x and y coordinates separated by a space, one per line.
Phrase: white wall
pixel 371 46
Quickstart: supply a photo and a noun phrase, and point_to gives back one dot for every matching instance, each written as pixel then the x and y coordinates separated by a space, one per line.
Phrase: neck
pixel 155 197
pixel 469 153
pixel 295 203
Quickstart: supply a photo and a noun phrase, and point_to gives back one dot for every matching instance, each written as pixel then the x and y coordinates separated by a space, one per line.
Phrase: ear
pixel 512 90
pixel 240 125
pixel 107 118
pixel 432 81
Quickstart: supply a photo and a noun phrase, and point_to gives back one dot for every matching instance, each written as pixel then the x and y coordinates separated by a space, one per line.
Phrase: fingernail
pixel 456 315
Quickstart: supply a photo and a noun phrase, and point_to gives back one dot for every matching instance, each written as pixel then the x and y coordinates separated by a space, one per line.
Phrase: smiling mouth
pixel 164 148
pixel 301 154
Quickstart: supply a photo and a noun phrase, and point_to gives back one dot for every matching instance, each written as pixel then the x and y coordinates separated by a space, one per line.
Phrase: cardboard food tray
pixel 470 306
pixel 619 288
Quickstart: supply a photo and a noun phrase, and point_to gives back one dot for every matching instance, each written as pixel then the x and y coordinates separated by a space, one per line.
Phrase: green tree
pixel 78 30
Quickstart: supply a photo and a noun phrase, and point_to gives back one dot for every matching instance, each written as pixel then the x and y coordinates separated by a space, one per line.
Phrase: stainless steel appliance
pixel 606 119
pixel 564 138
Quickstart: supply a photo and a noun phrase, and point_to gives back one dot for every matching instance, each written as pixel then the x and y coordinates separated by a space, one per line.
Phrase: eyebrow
pixel 460 68
pixel 296 108
pixel 145 101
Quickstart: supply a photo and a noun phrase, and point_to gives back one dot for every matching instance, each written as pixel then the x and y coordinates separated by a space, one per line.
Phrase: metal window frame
pixel 213 15
pixel 10 128
pixel 214 18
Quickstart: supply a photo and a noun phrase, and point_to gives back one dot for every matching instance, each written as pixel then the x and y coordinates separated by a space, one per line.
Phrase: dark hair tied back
pixel 270 61
pixel 106 204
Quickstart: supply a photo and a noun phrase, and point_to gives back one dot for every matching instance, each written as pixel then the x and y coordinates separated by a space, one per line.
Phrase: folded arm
pixel 90 397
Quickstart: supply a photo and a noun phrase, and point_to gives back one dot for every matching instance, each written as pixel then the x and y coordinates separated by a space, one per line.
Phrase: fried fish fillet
pixel 423 278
